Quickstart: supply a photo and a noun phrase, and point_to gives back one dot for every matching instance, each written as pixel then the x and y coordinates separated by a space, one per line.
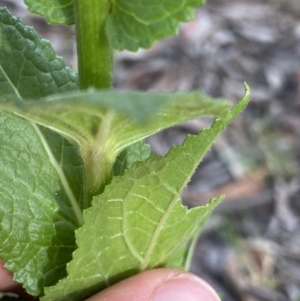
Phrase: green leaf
pixel 41 173
pixel 139 222
pixel 29 67
pixel 102 134
pixel 54 11
pixel 126 32
pixel 138 151
pixel 182 258
pixel 84 117
pixel 139 23
pixel 41 180
pixel 131 24
pixel 156 11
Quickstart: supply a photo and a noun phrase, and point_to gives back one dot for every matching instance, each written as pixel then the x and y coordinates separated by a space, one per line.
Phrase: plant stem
pixel 95 70
pixel 93 48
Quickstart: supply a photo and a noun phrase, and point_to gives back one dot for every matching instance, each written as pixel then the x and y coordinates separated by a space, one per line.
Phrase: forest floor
pixel 250 249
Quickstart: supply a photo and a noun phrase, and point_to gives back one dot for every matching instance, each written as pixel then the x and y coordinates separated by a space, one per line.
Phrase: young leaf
pixel 139 222
pixel 138 151
pixel 102 134
pixel 54 11
pixel 40 172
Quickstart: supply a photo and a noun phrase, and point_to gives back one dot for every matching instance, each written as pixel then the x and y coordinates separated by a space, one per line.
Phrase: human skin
pixel 7 284
pixel 154 285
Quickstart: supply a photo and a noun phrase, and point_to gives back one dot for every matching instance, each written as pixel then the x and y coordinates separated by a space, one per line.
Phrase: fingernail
pixel 185 287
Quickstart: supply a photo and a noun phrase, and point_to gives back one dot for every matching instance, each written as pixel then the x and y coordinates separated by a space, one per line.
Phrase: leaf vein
pixel 62 177
pixel 10 82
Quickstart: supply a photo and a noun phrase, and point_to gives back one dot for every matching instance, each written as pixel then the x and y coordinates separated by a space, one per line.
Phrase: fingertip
pixel 7 284
pixel 6 279
pixel 159 285
pixel 184 286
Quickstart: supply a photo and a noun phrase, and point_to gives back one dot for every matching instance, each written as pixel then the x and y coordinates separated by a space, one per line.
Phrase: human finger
pixel 159 285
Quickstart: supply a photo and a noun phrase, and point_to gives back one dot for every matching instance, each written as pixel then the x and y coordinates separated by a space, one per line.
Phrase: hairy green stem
pixel 95 70
pixel 93 48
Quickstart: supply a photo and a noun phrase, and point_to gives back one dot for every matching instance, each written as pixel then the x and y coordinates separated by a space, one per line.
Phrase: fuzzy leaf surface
pixel 103 126
pixel 28 63
pixel 41 182
pixel 40 171
pixel 128 116
pixel 139 222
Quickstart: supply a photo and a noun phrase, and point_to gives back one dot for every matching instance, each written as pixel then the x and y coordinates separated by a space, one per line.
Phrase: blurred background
pixel 250 249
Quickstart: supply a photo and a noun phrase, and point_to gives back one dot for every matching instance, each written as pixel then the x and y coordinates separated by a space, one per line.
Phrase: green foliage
pixel 79 189
pixel 91 118
pixel 139 23
pixel 139 222
pixel 86 119
pixel 138 151
pixel 130 24
pixel 42 199
pixel 55 11
pixel 29 67
pixel 42 175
